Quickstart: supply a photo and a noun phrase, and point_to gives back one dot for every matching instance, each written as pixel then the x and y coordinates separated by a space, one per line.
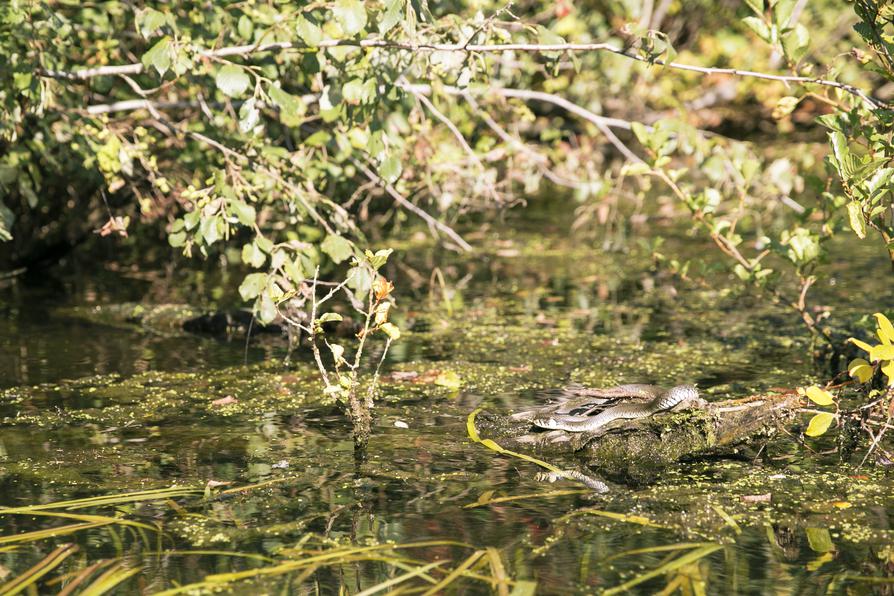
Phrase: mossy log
pixel 638 450
pixel 167 319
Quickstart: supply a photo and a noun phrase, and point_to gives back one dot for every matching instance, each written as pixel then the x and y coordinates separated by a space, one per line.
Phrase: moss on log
pixel 638 450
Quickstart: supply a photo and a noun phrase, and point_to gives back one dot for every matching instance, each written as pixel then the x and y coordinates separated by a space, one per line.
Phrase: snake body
pixel 661 400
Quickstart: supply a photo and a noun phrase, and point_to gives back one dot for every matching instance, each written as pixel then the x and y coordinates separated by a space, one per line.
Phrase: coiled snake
pixel 661 399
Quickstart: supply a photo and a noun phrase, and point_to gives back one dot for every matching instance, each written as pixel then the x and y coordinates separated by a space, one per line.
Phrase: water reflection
pixel 282 478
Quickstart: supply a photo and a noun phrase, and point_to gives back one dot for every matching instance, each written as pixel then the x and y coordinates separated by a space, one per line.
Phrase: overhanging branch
pixel 247 50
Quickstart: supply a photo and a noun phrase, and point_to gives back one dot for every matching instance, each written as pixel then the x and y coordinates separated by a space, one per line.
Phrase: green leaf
pixel 350 15
pixel 635 169
pixel 391 169
pixel 548 37
pixel 337 247
pixel 291 108
pixel 857 221
pixel 885 329
pixel 278 259
pixel 759 27
pixel 309 33
pixel 232 80
pixel 819 424
pixel 819 396
pixel 264 244
pixel 795 43
pixel 267 310
pixel 252 255
pixel 782 12
pixel 159 56
pixel 293 270
pixel 244 212
pixel 338 353
pixel 175 239
pixel 394 9
pixel 359 279
pixel 210 230
pixel 245 27
pixel 191 219
pixel 379 258
pixel 252 286
pixel 860 370
pixel 353 92
pixel 249 116
pixel 149 21
pixel 329 317
pixel 785 106
pixel 318 139
pixel 840 151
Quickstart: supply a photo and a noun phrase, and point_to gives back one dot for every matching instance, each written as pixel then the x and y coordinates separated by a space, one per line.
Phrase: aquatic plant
pixel 342 378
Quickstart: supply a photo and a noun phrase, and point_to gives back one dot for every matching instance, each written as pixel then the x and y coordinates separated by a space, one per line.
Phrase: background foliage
pixel 298 135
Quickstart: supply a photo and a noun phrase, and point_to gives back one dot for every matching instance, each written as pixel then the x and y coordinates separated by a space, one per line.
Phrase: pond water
pixel 269 498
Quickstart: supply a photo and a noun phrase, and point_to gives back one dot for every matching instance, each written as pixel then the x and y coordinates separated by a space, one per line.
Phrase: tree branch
pixel 246 50
pixel 410 206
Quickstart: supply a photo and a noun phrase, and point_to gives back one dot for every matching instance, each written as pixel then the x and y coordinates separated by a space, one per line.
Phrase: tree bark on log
pixel 636 451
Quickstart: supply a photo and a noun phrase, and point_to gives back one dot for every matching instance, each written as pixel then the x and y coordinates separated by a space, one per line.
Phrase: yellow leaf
pixel 448 379
pixel 881 352
pixel 819 424
pixel 885 329
pixel 860 370
pixel 392 331
pixel 821 397
pixel 888 371
pixel 860 344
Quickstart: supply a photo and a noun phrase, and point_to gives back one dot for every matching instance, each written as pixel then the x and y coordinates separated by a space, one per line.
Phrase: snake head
pixel 678 395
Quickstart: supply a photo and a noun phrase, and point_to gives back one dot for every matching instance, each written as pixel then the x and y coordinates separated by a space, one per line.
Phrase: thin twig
pixel 410 206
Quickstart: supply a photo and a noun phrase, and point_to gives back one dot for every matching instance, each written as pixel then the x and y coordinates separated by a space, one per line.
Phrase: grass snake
pixel 660 399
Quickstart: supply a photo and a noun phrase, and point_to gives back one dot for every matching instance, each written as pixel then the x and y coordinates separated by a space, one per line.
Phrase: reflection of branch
pixel 246 50
pixel 410 206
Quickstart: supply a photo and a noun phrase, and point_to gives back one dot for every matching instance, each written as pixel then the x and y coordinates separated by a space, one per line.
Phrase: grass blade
pixel 400 579
pixel 658 549
pixel 109 579
pixel 486 499
pixel 689 557
pixel 103 519
pixel 50 533
pixel 105 500
pixel 727 518
pixel 30 577
pixel 456 573
pixel 623 517
pixel 501 580
pixel 78 577
pixel 494 446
